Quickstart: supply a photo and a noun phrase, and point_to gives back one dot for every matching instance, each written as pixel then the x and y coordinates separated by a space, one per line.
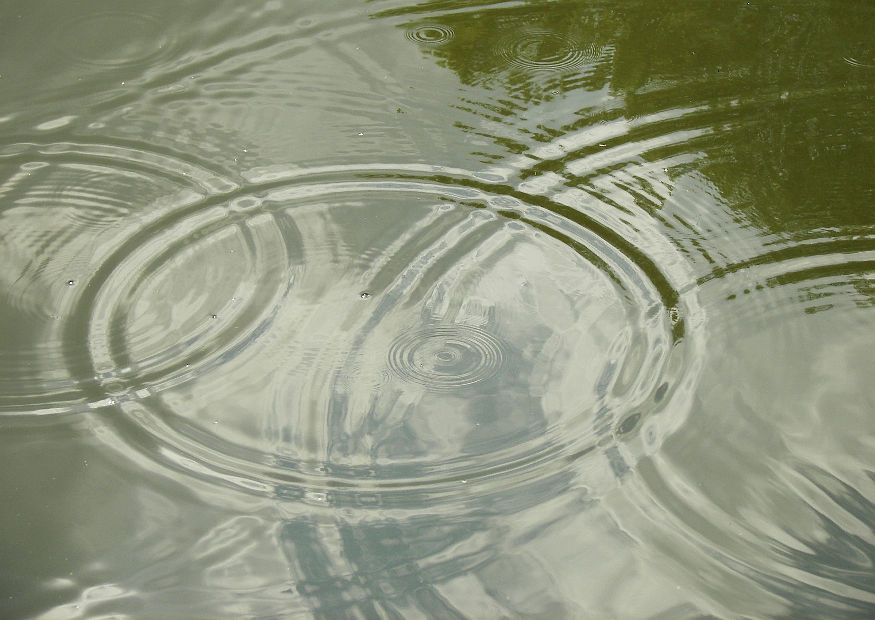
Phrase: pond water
pixel 451 309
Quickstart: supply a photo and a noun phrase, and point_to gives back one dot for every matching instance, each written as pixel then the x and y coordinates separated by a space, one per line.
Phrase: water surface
pixel 450 309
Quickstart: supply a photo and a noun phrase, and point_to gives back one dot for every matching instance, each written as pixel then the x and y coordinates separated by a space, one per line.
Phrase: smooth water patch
pixel 113 38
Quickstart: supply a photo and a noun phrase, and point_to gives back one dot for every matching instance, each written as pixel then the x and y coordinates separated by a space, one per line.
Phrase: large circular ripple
pixel 390 337
pixel 373 336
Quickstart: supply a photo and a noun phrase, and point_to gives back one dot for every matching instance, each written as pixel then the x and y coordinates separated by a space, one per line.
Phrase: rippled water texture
pixel 451 309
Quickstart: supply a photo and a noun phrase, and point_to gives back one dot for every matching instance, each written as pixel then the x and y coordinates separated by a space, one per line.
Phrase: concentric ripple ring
pixel 141 192
pixel 463 329
pixel 431 34
pixel 544 50
pixel 446 357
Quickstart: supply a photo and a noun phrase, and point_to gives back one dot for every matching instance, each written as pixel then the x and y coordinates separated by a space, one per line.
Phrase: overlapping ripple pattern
pixel 439 309
pixel 437 346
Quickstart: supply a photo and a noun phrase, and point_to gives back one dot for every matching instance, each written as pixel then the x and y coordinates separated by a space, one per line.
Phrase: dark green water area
pixel 450 309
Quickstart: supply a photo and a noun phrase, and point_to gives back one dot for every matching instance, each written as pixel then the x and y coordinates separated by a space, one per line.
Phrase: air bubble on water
pixel 316 497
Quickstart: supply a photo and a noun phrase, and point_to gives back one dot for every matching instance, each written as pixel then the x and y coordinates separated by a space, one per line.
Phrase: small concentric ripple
pixel 544 51
pixel 446 357
pixel 430 34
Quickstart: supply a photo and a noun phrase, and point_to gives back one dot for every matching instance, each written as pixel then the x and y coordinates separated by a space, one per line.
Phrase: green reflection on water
pixel 792 103
pixel 772 104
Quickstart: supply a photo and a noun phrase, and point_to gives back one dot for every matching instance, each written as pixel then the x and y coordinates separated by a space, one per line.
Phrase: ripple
pixel 464 370
pixel 858 63
pixel 430 34
pixel 188 292
pixel 810 276
pixel 793 524
pixel 469 357
pixel 54 238
pixel 543 50
pixel 446 357
pixel 113 38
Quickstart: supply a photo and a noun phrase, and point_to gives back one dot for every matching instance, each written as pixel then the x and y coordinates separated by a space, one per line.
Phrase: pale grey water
pixel 451 309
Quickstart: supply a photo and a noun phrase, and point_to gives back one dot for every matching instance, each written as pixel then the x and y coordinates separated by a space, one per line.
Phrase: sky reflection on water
pixel 459 309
